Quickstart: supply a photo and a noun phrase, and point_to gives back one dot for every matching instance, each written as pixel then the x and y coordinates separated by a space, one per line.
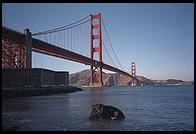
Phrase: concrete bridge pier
pixel 28 48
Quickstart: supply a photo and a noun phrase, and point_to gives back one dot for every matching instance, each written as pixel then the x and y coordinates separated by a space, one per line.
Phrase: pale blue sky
pixel 158 37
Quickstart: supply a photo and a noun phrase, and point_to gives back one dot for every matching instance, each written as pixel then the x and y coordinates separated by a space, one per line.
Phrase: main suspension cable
pixel 63 27
pixel 111 44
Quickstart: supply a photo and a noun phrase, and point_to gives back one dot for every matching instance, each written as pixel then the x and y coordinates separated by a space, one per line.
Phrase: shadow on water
pixel 12 112
pixel 25 113
pixel 15 104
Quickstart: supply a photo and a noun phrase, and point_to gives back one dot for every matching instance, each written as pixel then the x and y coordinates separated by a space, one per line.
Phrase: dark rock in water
pixel 105 112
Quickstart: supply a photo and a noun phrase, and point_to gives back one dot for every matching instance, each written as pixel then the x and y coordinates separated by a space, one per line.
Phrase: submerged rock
pixel 105 112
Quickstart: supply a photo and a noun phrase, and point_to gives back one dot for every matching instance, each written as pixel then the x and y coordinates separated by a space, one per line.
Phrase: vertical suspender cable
pixel 111 45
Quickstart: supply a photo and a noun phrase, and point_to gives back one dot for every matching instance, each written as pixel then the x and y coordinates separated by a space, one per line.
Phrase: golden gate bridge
pixel 70 42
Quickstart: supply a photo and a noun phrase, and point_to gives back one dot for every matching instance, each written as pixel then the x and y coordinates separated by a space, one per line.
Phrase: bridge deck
pixel 49 49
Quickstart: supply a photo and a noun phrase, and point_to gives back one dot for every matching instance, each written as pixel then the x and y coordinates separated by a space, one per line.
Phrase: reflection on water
pixel 96 96
pixel 145 108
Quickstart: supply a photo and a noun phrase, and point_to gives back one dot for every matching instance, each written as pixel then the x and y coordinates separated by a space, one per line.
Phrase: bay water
pixel 146 108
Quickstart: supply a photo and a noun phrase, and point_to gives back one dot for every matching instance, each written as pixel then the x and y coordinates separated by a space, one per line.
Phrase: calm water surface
pixel 145 108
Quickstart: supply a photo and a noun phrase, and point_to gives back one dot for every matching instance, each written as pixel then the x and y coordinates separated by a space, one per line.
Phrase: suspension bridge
pixel 70 42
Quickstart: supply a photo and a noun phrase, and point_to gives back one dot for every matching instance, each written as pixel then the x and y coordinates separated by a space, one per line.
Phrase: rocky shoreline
pixel 32 91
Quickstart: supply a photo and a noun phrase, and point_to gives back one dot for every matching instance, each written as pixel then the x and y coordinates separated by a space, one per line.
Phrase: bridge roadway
pixel 49 49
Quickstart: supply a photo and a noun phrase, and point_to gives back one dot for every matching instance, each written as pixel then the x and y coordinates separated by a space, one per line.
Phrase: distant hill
pixel 79 79
pixel 82 79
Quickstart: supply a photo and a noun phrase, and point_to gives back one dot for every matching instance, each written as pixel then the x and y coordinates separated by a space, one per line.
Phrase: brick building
pixel 33 77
